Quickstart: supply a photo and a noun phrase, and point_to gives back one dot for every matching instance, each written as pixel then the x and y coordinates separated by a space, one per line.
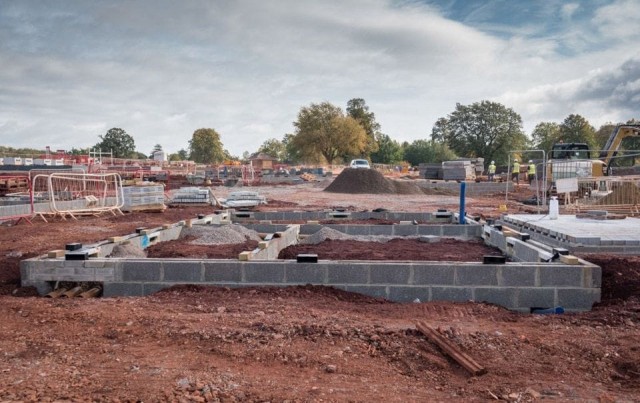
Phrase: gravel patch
pixel 330 233
pixel 127 250
pixel 220 235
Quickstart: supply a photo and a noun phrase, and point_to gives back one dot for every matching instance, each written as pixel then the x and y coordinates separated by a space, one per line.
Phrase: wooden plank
pixel 451 350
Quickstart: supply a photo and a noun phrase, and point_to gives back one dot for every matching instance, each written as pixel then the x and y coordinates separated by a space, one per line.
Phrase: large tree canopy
pixel 358 109
pixel 545 135
pixel 389 151
pixel 205 147
pixel 484 129
pixel 274 148
pixel 323 131
pixel 427 151
pixel 118 142
pixel 576 129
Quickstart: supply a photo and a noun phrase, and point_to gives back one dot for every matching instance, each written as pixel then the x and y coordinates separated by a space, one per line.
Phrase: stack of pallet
pixel 13 184
pixel 307 177
pixel 148 197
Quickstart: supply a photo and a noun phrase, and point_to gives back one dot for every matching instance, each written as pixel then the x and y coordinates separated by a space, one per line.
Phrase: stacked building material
pixel 458 170
pixel 191 195
pixel 244 199
pixel 143 198
pixel 430 170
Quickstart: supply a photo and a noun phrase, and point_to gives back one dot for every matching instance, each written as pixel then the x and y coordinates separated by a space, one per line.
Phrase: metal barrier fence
pixel 71 194
pixel 610 193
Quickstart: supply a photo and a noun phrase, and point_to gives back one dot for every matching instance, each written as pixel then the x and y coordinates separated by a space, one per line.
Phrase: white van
pixel 359 164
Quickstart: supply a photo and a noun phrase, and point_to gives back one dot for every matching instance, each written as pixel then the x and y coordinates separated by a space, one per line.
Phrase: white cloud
pixel 162 69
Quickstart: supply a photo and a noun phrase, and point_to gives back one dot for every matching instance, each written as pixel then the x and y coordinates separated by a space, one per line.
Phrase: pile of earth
pixel 370 181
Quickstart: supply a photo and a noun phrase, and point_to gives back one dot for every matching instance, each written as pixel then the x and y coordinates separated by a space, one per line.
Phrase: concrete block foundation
pixel 524 283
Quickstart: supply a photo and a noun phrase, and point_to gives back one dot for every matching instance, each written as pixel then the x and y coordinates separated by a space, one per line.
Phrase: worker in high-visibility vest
pixel 492 171
pixel 515 174
pixel 531 171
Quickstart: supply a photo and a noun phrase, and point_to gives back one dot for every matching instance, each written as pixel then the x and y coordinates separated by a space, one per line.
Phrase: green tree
pixel 181 155
pixel 427 151
pixel 576 129
pixel 292 155
pixel 322 131
pixel 545 135
pixel 118 142
pixel 205 147
pixel 358 109
pixel 483 129
pixel 389 151
pixel 274 148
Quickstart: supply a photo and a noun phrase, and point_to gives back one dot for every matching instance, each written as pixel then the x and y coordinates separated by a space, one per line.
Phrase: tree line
pixel 325 134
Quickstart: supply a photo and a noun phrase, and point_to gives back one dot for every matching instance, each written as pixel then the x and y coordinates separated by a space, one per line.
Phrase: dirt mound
pixel 369 181
pixel 127 250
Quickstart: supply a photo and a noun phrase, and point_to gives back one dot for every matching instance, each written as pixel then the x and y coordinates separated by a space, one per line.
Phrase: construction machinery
pixel 574 159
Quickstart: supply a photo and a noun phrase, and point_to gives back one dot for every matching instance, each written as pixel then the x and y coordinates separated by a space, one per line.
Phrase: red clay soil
pixel 447 249
pixel 181 248
pixel 299 344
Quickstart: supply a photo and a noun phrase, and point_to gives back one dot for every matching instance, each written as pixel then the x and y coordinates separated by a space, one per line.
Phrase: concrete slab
pixel 582 234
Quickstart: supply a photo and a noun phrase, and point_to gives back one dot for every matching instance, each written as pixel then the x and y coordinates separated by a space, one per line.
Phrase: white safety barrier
pixel 71 194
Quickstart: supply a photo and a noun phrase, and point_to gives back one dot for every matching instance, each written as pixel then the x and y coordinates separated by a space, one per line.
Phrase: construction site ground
pixel 303 343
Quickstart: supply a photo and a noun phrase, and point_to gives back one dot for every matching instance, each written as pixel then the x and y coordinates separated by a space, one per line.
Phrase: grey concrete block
pixel 372 291
pixel 348 274
pixel 222 271
pixel 577 299
pixel 451 294
pixel 535 297
pixel 477 275
pixel 309 229
pixel 454 230
pixel 409 294
pixel 594 275
pixel 341 228
pixel 405 230
pixel 429 238
pixel 306 273
pixel 136 270
pixel 430 230
pixel 433 274
pixel 389 273
pixel 105 274
pixel 517 276
pixel 561 276
pixel 151 288
pixel 505 297
pixel 381 229
pixel 263 272
pixel 182 271
pixel 122 290
pixel 358 230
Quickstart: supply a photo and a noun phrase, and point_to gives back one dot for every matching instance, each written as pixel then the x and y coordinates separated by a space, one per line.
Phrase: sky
pixel 161 69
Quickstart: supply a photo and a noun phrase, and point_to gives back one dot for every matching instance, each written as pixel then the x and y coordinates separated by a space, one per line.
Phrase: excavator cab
pixel 570 151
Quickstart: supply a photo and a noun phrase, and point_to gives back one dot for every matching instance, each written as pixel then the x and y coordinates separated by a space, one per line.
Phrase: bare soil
pixel 446 249
pixel 302 343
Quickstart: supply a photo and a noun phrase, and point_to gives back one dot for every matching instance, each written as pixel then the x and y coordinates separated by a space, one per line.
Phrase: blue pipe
pixel 463 188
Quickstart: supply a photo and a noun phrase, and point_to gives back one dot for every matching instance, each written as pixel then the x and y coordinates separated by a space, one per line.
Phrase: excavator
pixel 574 159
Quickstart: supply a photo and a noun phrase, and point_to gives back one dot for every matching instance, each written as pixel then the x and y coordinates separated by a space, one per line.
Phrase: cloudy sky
pixel 160 69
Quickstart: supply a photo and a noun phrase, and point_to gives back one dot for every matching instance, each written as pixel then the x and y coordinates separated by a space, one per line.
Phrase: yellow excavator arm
pixel 619 133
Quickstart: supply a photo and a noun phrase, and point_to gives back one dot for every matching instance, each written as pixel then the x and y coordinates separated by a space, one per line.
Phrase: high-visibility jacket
pixel 492 169
pixel 516 167
pixel 532 169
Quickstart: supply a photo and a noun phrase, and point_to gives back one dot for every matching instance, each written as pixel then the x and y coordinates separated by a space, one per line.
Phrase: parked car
pixel 359 164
